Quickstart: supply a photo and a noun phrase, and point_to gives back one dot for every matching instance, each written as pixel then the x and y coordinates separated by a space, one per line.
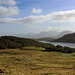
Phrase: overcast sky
pixel 24 16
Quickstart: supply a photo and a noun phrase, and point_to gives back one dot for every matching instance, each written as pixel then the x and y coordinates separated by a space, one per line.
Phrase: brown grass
pixel 35 62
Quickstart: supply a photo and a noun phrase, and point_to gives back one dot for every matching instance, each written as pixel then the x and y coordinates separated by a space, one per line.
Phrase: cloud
pixel 8 8
pixel 55 28
pixel 54 17
pixel 7 2
pixel 58 28
pixel 36 11
pixel 63 16
pixel 8 11
pixel 29 19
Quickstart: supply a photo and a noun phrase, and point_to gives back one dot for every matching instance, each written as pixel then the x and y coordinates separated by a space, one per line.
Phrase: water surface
pixel 72 45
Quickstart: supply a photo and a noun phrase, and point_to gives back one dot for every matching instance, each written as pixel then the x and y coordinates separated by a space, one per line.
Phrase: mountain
pixel 64 33
pixel 29 35
pixel 43 34
pixel 68 38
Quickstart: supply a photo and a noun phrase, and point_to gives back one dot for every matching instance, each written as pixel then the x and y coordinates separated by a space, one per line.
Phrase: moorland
pixel 19 56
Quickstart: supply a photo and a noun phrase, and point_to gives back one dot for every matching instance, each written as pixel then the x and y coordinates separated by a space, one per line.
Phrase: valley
pixel 37 37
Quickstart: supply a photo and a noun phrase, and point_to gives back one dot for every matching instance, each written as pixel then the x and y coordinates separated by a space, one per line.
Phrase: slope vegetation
pixel 16 42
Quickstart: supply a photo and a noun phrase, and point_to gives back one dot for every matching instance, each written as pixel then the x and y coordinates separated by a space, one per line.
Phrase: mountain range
pixel 45 34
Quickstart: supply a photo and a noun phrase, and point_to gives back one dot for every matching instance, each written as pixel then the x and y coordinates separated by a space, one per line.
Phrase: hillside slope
pixel 68 38
pixel 16 42
pixel 64 33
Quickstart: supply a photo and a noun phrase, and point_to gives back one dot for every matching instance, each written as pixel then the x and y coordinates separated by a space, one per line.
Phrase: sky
pixel 34 16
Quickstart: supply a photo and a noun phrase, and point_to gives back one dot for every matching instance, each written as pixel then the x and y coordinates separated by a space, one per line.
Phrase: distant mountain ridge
pixel 44 34
pixel 29 35
pixel 68 38
pixel 64 33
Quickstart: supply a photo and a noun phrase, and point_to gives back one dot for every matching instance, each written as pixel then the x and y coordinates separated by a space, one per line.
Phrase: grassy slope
pixel 36 62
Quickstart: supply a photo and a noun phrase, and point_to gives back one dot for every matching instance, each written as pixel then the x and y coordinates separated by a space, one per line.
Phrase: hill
pixel 12 42
pixel 68 38
pixel 57 36
pixel 64 33
pixel 16 42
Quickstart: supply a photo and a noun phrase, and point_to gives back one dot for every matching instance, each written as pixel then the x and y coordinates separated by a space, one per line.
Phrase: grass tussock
pixel 33 61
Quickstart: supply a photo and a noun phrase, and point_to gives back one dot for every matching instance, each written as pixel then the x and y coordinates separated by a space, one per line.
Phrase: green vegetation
pixel 11 42
pixel 15 42
pixel 32 48
pixel 59 48
pixel 35 62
